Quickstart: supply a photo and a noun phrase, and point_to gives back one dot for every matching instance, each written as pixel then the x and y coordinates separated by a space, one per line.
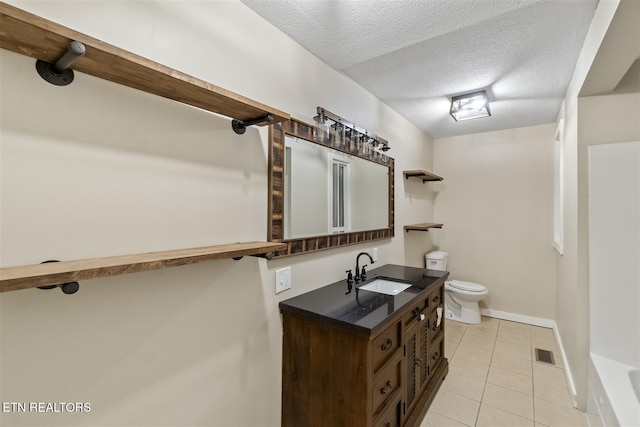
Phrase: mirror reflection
pixel 328 192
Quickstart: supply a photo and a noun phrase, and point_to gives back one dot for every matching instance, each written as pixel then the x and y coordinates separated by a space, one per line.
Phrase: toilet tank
pixel 436 260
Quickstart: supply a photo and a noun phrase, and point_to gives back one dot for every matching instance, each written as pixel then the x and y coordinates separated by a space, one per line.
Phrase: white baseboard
pixel 545 323
pixel 520 318
pixel 567 367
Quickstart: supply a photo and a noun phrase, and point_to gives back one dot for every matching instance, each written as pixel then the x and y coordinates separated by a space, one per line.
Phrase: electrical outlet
pixel 375 254
pixel 283 279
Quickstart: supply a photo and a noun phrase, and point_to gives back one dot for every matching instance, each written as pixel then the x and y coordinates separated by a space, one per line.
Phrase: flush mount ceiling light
pixel 470 106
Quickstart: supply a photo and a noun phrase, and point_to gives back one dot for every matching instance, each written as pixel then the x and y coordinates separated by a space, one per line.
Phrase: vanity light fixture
pixel 345 135
pixel 321 127
pixel 470 106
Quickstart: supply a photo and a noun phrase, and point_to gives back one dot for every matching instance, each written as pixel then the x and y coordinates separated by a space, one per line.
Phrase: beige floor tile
pixel 553 415
pixel 453 326
pixel 470 368
pixel 473 353
pixel 508 379
pixel 480 342
pixel 433 419
pixel 494 379
pixel 549 373
pixel 551 392
pixel 454 335
pixel 508 400
pixel 513 364
pixel 449 348
pixel 557 356
pixel 486 323
pixel 538 331
pixel 544 341
pixel 464 386
pixel 494 417
pixel 515 327
pixel 456 407
pixel 487 326
pixel 515 350
pixel 512 338
pixel 489 321
pixel 483 332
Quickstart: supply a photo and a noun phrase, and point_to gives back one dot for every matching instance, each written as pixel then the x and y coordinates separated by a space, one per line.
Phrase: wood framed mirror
pixel 324 195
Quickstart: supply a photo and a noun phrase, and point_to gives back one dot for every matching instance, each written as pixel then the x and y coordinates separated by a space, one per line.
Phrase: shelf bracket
pixel 59 73
pixel 417 175
pixel 421 227
pixel 268 256
pixel 240 126
pixel 68 288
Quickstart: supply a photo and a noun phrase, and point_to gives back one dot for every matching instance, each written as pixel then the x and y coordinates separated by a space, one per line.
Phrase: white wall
pixel 614 251
pixel 572 307
pixel 96 169
pixel 496 205
pixel 572 277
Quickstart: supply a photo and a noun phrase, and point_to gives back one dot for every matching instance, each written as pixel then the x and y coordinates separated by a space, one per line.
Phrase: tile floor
pixel 494 379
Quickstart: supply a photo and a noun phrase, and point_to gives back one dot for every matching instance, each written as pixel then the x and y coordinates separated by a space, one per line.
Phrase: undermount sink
pixel 387 287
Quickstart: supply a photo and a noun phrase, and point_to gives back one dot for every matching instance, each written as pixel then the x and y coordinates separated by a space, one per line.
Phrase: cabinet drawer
pixel 385 345
pixel 390 417
pixel 386 385
pixel 436 353
pixel 414 312
pixel 435 299
pixel 435 330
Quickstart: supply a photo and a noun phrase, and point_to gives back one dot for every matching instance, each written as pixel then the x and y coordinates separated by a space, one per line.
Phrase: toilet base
pixel 464 312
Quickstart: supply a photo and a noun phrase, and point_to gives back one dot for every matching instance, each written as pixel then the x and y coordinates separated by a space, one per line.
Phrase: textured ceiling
pixel 415 54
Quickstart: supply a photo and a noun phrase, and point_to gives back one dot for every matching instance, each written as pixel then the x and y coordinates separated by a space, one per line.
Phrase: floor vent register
pixel 544 356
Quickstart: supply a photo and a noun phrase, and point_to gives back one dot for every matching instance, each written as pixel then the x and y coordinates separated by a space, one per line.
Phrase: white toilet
pixel 461 298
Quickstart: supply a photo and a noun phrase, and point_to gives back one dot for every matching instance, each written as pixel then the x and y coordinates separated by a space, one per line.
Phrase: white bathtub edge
pixel 599 398
pixel 615 397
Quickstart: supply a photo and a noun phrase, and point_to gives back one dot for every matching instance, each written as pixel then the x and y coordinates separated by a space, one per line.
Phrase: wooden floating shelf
pixel 422 227
pixel 423 175
pixel 31 276
pixel 39 38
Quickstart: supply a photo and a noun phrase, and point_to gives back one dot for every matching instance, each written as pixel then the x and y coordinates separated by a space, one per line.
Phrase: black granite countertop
pixel 364 311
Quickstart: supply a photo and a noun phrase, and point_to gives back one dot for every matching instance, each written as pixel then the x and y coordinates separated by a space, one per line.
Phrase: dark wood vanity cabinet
pixel 423 346
pixel 335 376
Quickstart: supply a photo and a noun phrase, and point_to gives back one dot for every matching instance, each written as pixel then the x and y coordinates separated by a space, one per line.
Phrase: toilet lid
pixel 467 286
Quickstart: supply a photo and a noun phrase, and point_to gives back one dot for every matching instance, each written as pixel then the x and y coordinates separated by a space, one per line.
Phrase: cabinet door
pixel 416 352
pixel 411 363
pixel 423 340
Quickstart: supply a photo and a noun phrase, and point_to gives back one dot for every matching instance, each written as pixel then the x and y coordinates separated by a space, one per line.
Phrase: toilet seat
pixel 466 286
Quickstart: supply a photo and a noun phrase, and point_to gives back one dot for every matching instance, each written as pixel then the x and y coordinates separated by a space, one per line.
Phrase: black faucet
pixel 361 276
